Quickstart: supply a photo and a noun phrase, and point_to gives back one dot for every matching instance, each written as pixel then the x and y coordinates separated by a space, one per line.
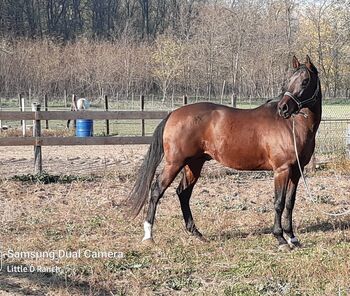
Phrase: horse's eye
pixel 305 82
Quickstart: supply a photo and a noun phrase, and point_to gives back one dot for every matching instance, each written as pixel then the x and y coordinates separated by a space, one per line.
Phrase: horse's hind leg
pixel 191 173
pixel 161 183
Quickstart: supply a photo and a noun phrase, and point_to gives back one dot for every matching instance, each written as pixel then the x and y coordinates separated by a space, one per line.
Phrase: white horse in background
pixel 81 104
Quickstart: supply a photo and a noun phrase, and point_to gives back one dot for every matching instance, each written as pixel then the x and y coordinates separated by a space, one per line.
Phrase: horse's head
pixel 302 90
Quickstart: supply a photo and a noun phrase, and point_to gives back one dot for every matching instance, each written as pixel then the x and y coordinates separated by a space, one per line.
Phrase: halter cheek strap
pixel 295 99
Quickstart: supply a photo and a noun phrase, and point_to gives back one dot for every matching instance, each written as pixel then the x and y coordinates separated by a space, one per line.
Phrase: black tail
pixel 139 194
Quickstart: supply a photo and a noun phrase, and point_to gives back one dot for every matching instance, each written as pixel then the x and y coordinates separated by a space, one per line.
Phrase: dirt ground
pixel 234 210
pixel 70 160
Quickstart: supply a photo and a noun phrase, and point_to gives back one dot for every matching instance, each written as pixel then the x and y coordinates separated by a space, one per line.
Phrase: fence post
pixel 184 100
pixel 74 108
pixel 142 108
pixel 209 92
pixel 24 126
pixel 38 166
pixel 233 100
pixel 46 108
pixel 222 92
pixel 20 105
pixel 107 121
pixel 132 101
pixel 65 98
pixel 117 100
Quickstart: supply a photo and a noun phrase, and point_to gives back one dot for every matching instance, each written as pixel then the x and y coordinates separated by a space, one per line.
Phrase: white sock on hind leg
pixel 292 240
pixel 148 231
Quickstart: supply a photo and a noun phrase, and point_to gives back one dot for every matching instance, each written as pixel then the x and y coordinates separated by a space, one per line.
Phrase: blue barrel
pixel 84 128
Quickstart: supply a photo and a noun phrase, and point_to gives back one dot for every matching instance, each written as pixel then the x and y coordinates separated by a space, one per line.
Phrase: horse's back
pixel 207 129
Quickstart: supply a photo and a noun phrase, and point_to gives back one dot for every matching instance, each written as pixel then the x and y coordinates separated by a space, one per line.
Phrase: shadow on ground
pixel 326 226
pixel 226 235
pixel 323 226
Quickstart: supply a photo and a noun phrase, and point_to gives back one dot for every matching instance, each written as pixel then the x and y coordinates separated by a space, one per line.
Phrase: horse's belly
pixel 247 164
pixel 241 157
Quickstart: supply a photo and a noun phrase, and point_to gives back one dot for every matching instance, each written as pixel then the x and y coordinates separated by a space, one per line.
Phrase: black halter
pixel 313 99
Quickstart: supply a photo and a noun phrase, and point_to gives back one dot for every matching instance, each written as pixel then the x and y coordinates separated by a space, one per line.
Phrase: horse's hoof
pixel 285 248
pixel 202 238
pixel 294 243
pixel 198 236
pixel 148 242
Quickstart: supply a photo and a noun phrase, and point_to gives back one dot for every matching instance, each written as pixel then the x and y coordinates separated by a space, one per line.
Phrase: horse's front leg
pixel 290 201
pixel 281 178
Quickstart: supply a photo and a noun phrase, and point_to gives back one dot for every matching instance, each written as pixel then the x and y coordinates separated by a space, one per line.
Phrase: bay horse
pixel 255 139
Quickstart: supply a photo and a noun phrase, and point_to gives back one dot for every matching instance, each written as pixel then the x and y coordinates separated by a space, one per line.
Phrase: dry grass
pixel 341 164
pixel 233 210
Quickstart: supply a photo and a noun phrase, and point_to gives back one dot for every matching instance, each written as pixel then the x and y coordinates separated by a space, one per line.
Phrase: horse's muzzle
pixel 283 111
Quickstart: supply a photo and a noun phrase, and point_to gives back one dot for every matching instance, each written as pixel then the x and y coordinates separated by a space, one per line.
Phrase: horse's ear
pixel 310 65
pixel 308 60
pixel 295 62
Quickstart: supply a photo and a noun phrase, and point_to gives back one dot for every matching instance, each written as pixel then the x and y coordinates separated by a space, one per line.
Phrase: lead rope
pixel 311 198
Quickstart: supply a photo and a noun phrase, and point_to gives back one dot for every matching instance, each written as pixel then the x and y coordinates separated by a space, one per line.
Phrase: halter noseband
pixel 313 99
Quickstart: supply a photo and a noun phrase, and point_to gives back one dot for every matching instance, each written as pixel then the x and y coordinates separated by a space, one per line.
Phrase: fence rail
pixel 71 141
pixel 38 141
pixel 71 115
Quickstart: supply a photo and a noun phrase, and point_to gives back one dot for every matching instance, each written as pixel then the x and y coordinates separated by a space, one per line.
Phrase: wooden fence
pixel 37 140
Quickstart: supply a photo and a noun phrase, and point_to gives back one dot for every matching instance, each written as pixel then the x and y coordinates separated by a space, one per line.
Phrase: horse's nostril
pixel 283 111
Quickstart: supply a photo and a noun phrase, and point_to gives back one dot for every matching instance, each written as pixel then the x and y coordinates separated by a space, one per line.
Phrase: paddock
pixel 76 207
pixel 83 212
